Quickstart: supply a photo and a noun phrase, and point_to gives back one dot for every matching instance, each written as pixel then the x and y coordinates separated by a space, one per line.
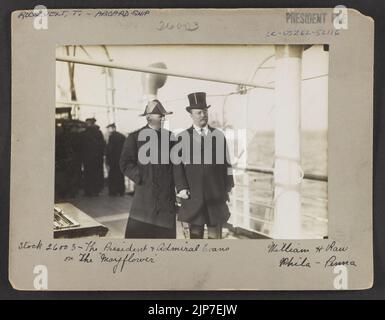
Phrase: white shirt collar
pixel 199 129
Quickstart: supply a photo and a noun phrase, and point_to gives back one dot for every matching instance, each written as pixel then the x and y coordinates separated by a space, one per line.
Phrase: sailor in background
pixel 153 211
pixel 209 178
pixel 114 148
pixel 93 144
pixel 75 173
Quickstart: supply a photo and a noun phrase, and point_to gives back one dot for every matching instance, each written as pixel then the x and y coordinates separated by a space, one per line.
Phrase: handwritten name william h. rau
pixel 286 247
pixel 289 247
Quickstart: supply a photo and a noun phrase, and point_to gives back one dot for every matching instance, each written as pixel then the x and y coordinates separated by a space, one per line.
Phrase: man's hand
pixel 184 194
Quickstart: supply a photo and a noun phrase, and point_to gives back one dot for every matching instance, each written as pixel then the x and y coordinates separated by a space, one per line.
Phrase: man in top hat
pixel 93 144
pixel 208 173
pixel 153 212
pixel 114 149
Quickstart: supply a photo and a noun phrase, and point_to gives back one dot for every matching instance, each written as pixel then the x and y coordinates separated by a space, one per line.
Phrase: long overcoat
pixel 156 180
pixel 209 181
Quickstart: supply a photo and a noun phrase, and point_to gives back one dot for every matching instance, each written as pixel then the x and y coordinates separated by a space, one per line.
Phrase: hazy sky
pixel 254 110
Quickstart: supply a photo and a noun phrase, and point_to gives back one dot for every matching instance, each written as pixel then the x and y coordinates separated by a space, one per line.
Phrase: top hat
pixel 155 107
pixel 197 101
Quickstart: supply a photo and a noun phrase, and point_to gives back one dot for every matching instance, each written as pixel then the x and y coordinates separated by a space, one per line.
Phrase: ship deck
pixel 113 212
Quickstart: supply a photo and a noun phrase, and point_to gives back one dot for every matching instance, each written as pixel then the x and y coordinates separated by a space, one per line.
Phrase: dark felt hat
pixel 197 101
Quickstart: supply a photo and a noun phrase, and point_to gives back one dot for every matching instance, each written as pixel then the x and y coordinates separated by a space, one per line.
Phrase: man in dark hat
pixel 93 145
pixel 208 173
pixel 153 212
pixel 114 149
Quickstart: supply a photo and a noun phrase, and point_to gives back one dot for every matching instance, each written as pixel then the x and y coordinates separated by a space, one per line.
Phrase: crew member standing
pixel 114 149
pixel 93 145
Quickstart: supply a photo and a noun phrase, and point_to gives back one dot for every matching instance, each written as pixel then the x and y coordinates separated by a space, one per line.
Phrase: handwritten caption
pixel 118 256
pixel 64 13
pixel 79 12
pixel 291 255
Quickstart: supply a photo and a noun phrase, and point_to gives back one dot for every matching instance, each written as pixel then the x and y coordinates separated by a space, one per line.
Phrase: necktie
pixel 202 133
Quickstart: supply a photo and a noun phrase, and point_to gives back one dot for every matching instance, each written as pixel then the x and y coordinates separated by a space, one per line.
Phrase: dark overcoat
pixel 155 181
pixel 113 151
pixel 209 183
pixel 93 145
pixel 114 148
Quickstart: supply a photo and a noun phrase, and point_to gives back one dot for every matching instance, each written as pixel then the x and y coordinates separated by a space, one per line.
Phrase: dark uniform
pixel 76 163
pixel 115 176
pixel 93 145
pixel 67 160
pixel 62 160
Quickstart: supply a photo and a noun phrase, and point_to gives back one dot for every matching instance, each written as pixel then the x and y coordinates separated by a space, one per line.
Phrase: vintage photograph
pixel 191 141
pixel 156 141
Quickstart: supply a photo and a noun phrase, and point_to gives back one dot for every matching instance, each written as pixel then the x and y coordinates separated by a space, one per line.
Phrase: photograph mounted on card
pixel 155 141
